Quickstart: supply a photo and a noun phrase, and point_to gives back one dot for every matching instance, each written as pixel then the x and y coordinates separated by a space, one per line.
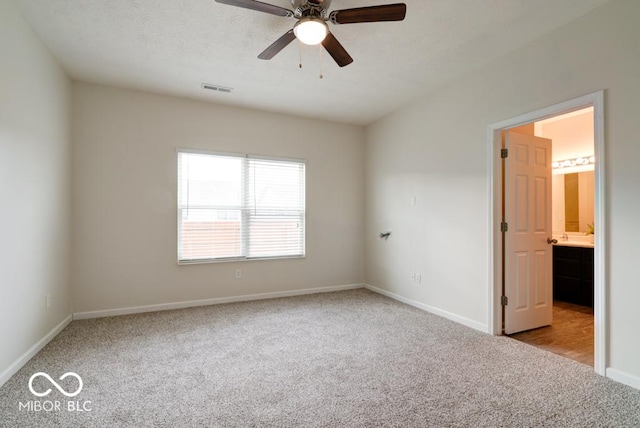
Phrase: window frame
pixel 244 210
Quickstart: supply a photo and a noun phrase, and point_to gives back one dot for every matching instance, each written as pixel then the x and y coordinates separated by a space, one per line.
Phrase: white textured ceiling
pixel 173 46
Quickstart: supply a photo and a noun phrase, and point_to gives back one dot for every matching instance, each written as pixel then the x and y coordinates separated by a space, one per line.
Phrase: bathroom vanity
pixel 573 273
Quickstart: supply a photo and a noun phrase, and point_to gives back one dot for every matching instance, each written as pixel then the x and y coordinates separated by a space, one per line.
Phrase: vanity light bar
pixel 574 162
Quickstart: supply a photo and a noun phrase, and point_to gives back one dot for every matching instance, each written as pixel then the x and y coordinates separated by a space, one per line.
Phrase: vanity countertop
pixel 574 244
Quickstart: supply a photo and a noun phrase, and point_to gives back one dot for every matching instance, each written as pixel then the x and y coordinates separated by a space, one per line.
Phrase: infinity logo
pixel 53 382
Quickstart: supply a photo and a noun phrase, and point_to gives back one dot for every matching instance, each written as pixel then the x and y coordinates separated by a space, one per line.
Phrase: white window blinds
pixel 239 207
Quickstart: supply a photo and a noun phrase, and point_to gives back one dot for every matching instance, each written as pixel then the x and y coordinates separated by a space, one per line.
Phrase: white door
pixel 528 254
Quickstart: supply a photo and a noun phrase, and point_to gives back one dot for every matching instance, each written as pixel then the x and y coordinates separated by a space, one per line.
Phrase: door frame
pixel 494 144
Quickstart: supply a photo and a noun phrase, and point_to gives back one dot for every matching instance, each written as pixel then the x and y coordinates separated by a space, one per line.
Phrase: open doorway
pixel 571 332
pixel 498 260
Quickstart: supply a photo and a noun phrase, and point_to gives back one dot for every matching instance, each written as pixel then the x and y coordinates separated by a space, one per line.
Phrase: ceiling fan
pixel 312 28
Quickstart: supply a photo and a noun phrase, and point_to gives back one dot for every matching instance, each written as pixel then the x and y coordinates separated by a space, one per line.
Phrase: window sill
pixel 235 260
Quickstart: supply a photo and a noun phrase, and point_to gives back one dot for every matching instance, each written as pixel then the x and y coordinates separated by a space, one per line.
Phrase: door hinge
pixel 504 153
pixel 505 301
pixel 504 227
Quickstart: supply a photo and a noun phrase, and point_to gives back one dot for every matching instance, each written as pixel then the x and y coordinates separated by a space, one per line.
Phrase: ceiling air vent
pixel 216 88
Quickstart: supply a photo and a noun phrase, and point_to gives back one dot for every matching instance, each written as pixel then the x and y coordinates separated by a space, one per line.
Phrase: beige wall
pixel 34 186
pixel 528 129
pixel 572 135
pixel 124 198
pixel 436 149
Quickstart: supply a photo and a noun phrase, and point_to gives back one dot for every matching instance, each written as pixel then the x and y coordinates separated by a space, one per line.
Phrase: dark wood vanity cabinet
pixel 573 274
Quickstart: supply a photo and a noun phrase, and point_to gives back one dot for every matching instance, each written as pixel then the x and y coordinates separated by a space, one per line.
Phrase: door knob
pixel 552 241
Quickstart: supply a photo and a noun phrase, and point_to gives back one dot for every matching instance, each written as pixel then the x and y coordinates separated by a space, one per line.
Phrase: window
pixel 234 207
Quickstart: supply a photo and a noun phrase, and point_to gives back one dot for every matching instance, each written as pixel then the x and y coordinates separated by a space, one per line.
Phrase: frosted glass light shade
pixel 570 163
pixel 310 31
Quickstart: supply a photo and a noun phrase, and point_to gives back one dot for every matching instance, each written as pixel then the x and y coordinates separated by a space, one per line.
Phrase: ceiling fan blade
pixel 336 50
pixel 387 12
pixel 278 45
pixel 259 6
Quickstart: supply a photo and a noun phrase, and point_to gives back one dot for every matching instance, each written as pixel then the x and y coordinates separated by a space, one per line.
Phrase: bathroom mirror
pixel 573 201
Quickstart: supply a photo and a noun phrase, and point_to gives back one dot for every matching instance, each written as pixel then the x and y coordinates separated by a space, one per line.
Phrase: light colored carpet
pixel 347 359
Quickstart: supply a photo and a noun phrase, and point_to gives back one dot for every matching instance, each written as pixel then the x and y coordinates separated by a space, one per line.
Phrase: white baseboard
pixel 208 302
pixel 20 362
pixel 622 377
pixel 444 314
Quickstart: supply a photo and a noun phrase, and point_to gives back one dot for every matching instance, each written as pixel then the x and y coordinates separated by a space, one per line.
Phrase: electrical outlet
pixel 48 300
pixel 238 273
pixel 418 278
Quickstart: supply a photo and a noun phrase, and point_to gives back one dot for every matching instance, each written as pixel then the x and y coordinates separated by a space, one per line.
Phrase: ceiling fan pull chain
pixel 321 62
pixel 300 46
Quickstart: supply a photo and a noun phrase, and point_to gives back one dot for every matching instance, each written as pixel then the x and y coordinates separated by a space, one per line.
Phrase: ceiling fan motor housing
pixel 310 8
pixel 300 3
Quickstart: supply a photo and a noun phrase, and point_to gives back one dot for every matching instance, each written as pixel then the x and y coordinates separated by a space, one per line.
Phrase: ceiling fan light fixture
pixel 311 31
